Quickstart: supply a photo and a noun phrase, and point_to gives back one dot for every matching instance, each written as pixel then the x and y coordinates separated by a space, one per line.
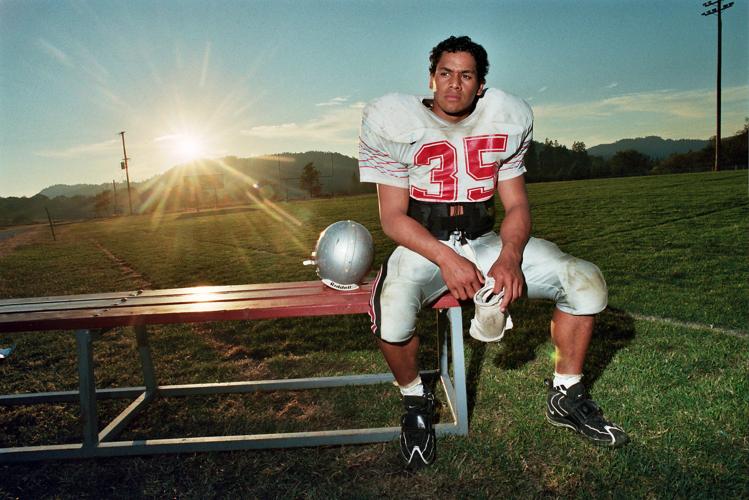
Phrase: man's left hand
pixel 507 275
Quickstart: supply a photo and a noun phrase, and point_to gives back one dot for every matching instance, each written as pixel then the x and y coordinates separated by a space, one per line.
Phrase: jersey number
pixel 445 175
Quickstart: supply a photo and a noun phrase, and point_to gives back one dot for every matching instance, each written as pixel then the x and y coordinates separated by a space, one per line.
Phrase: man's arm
pixel 514 231
pixel 461 276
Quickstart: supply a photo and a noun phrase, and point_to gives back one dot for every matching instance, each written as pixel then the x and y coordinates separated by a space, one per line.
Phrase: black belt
pixel 477 217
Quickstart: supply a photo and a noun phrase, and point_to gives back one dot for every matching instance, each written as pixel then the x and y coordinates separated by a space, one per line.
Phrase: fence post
pixel 51 226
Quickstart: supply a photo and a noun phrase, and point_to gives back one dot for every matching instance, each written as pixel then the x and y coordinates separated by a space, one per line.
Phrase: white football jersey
pixel 404 144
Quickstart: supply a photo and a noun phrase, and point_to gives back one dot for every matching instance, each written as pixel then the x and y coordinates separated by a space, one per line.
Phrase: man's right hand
pixel 461 276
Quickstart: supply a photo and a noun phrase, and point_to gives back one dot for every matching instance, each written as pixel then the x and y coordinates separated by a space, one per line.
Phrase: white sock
pixel 414 388
pixel 566 380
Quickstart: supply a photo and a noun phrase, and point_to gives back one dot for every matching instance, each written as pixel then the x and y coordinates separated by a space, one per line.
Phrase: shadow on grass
pixel 298 336
pixel 614 330
pixel 260 339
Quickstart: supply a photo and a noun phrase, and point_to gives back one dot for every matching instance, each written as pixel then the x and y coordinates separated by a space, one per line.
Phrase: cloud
pixel 336 101
pixel 167 137
pixel 274 131
pixel 612 85
pixel 82 150
pixel 543 89
pixel 667 113
pixel 339 125
pixel 686 104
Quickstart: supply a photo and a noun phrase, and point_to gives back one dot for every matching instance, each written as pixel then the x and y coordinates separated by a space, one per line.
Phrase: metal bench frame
pixel 103 443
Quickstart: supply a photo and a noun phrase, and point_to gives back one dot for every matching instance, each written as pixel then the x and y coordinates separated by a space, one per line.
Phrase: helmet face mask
pixel 343 255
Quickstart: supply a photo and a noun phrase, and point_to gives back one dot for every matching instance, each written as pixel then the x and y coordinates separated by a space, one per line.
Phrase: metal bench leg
pixel 87 390
pixel 144 351
pixel 455 387
pixel 459 368
pixel 442 331
pixel 116 426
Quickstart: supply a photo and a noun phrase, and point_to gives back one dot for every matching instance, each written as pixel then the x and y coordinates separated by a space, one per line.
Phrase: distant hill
pixel 281 172
pixel 652 146
pixel 338 174
pixel 200 184
pixel 79 189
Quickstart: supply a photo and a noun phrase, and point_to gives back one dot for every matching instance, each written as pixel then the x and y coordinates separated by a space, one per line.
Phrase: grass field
pixel 669 359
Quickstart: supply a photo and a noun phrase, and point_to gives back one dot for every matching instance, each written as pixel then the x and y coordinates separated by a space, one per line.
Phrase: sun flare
pixel 189 147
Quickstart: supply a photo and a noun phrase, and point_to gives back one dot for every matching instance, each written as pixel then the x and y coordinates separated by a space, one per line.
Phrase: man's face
pixel 455 85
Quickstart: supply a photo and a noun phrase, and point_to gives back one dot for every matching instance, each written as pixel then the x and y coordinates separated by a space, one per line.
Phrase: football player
pixel 437 163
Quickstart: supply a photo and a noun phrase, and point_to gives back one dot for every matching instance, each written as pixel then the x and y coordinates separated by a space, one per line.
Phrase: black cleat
pixel 573 408
pixel 418 442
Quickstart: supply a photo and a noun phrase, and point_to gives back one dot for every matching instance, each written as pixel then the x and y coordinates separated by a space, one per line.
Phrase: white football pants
pixel 407 282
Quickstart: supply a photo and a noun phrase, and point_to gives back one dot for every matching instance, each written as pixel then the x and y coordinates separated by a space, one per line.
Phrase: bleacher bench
pixel 88 314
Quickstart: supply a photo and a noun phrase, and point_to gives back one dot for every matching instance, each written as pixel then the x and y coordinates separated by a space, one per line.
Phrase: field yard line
pixel 694 326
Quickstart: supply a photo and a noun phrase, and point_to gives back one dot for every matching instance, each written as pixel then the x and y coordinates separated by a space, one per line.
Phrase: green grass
pixel 673 247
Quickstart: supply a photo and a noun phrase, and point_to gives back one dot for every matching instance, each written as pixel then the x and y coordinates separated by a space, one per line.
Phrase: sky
pixel 188 79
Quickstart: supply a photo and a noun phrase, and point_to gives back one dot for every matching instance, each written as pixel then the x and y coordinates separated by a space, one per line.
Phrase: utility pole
pixel 127 173
pixel 719 7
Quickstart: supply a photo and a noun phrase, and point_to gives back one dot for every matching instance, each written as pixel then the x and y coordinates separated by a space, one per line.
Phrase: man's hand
pixel 507 274
pixel 461 276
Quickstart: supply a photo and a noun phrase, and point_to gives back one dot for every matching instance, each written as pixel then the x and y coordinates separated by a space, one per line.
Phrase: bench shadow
pixel 261 339
pixel 614 330
pixel 473 373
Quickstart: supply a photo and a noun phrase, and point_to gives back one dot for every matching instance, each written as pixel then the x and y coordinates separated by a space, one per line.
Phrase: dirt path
pixel 127 270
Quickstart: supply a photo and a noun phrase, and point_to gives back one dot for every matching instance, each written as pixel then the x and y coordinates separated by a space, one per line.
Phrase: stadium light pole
pixel 127 172
pixel 716 7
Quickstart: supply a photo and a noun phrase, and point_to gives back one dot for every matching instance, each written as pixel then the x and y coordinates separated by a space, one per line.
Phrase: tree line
pixel 551 161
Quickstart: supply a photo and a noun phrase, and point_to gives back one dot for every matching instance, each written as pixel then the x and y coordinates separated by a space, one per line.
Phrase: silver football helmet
pixel 343 255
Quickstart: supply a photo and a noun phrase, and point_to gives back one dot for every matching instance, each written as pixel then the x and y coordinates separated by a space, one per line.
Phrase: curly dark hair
pixel 461 44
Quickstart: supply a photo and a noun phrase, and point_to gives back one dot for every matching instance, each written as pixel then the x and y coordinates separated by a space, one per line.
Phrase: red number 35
pixel 445 175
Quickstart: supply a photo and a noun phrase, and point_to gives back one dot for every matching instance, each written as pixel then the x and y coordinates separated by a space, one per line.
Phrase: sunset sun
pixel 188 147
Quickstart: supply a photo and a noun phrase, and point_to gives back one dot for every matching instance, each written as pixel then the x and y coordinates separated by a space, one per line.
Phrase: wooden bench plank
pixel 200 304
pixel 177 313
pixel 292 285
pixel 198 297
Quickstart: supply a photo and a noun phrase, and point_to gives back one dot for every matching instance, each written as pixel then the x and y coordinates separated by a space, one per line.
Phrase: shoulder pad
pixel 396 117
pixel 499 106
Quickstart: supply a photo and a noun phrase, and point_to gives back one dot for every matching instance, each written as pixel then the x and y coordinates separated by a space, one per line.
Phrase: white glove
pixel 489 323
